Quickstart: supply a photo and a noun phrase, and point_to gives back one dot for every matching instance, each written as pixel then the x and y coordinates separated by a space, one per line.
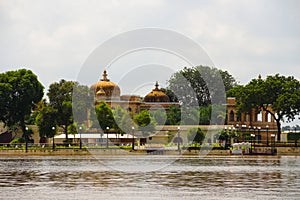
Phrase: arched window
pixel 268 117
pixel 259 117
pixel 238 117
pixel 231 116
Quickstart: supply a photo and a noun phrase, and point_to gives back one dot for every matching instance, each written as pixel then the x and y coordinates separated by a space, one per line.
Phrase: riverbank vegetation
pixel 22 104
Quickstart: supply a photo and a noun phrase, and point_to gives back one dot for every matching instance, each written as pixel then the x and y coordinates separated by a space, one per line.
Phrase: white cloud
pixel 244 37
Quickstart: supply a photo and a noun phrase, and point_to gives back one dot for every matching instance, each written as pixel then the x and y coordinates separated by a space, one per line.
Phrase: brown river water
pixel 149 177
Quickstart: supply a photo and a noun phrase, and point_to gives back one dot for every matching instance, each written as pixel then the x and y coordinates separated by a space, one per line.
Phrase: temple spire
pixel 156 86
pixel 104 76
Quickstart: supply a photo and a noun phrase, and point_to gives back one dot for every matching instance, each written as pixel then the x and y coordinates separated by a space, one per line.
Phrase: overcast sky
pixel 54 38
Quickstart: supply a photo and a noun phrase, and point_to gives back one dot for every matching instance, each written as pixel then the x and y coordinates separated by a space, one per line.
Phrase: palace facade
pixel 106 90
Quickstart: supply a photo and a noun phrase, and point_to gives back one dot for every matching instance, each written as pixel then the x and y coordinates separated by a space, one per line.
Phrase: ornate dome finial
pixel 104 76
pixel 259 77
pixel 156 86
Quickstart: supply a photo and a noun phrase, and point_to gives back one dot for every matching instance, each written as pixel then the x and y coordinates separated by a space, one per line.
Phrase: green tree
pixel 60 97
pixel 93 118
pixel 220 113
pixel 283 93
pixel 145 122
pixel 127 123
pixel 189 115
pixel 173 115
pixel 82 100
pixel 222 136
pixel 205 113
pixel 159 116
pixel 232 134
pixel 195 135
pixel 31 120
pixel 118 114
pixel 192 116
pixel 45 120
pixel 191 85
pixel 20 91
pixel 72 129
pixel 228 80
pixel 170 93
pixel 105 116
pixel 293 136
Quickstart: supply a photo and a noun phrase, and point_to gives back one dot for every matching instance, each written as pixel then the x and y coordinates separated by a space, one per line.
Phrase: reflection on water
pixel 186 178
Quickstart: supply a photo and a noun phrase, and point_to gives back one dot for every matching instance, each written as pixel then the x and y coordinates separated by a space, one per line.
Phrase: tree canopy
pixel 127 124
pixel 46 120
pixel 118 114
pixel 105 116
pixel 160 116
pixel 82 100
pixel 195 135
pixel 170 94
pixel 60 97
pixel 173 116
pixel 197 86
pixel 145 122
pixel 20 91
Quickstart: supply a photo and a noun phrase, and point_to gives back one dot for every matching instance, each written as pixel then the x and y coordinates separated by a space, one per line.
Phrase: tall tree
pixel 205 114
pixel 173 116
pixel 159 116
pixel 170 93
pixel 127 123
pixel 82 100
pixel 228 80
pixel 46 120
pixel 72 129
pixel 105 116
pixel 189 116
pixel 196 135
pixel 282 93
pixel 20 91
pixel 118 114
pixel 146 124
pixel 60 97
pixel 197 86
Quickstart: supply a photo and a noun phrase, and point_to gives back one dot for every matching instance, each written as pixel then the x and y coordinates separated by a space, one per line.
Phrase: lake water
pixel 79 177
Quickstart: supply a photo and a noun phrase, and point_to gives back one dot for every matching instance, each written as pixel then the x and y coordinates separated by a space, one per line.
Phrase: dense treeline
pixel 21 102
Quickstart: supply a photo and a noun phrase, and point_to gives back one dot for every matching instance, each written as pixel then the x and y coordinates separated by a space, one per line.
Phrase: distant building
pixel 106 90
pixel 257 119
pixel 260 123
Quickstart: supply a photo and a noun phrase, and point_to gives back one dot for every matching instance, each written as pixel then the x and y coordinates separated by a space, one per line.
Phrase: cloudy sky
pixel 54 38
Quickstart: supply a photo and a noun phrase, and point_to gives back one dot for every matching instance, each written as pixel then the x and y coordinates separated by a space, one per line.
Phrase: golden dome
pixel 156 95
pixel 107 88
pixel 100 92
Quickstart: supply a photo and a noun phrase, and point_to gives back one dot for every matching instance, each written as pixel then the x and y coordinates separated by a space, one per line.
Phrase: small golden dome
pixel 156 95
pixel 106 87
pixel 101 92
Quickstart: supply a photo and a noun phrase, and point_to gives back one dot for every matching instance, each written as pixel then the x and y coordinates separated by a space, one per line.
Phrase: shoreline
pixel 120 152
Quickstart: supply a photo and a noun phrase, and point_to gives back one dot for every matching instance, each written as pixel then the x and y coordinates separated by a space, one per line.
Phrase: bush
pixel 68 141
pixel 293 136
pixel 17 141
